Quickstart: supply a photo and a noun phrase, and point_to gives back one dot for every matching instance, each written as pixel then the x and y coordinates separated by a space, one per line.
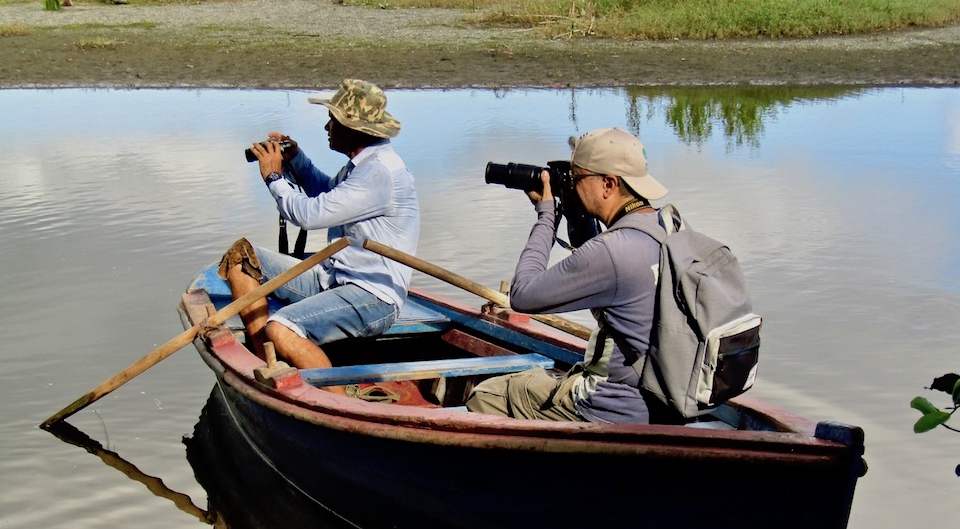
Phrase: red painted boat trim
pixel 794 444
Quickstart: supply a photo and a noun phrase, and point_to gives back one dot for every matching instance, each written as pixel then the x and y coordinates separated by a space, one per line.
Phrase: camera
pixel 581 226
pixel 527 177
pixel 285 146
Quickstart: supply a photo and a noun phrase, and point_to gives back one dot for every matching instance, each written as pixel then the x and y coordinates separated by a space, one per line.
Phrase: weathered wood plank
pixel 338 376
pixel 474 345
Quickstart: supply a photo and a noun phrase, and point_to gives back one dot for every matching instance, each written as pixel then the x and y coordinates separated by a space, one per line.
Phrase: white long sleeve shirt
pixel 372 197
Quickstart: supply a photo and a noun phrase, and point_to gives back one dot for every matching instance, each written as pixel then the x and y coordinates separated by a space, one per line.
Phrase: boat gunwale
pixel 234 364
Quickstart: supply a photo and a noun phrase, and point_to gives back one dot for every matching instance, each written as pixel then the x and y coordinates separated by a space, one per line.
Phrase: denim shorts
pixel 323 316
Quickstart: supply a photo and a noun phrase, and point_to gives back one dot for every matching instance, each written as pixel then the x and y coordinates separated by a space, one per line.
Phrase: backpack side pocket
pixel 730 361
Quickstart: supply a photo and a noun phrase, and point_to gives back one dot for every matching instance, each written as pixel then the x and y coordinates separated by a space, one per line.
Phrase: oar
pixel 187 336
pixel 476 288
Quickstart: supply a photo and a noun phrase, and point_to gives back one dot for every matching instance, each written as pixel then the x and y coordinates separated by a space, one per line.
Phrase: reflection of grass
pixel 98 43
pixel 741 113
pixel 14 30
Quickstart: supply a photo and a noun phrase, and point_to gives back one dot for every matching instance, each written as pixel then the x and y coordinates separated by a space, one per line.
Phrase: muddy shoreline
pixel 310 44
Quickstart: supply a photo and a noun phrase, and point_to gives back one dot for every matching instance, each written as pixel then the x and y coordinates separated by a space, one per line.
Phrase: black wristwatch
pixel 272 177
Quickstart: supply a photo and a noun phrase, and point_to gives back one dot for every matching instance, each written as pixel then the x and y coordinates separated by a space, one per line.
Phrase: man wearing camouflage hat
pixel 613 274
pixel 355 292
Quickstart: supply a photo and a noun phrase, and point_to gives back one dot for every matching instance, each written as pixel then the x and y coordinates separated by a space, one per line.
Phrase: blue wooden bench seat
pixel 415 317
pixel 489 359
pixel 483 365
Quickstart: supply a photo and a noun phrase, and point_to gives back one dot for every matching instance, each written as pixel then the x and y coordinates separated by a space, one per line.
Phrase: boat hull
pixel 386 482
pixel 383 465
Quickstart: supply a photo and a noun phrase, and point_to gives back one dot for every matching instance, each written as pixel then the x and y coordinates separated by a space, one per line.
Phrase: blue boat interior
pixel 433 355
pixel 428 342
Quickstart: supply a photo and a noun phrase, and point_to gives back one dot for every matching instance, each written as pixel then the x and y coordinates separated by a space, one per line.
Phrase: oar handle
pixel 470 286
pixel 177 343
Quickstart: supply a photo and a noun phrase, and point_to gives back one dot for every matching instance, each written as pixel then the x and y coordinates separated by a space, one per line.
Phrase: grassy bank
pixel 675 19
pixel 700 19
pixel 310 43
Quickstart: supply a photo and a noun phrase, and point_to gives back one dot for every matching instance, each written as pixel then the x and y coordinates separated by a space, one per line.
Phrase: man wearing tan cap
pixel 613 274
pixel 355 292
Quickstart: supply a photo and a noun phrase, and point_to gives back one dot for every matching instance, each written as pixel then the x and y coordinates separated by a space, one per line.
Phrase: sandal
pixel 373 393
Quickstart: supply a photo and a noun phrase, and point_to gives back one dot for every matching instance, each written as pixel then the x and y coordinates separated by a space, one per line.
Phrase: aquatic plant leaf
pixel 922 404
pixel 929 421
pixel 947 383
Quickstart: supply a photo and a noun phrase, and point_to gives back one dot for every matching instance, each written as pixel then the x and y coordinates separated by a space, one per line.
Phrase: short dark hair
pixel 626 190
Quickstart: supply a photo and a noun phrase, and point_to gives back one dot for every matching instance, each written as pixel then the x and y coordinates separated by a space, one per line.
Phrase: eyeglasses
pixel 580 176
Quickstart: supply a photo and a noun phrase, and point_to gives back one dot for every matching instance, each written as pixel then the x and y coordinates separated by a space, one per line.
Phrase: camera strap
pixel 283 245
pixel 630 207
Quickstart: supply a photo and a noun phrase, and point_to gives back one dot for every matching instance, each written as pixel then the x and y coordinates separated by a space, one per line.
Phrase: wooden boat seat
pixel 416 317
pixel 457 367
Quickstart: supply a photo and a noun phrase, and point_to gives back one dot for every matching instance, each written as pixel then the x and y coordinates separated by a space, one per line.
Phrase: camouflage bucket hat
pixel 361 106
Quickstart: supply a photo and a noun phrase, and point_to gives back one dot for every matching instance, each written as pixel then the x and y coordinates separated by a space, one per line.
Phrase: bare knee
pixel 279 333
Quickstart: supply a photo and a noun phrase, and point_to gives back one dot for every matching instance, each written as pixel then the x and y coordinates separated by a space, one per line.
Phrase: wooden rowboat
pixel 426 462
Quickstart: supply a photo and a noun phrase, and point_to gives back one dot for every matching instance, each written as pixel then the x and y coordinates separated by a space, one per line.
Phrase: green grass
pixel 15 30
pixel 700 19
pixel 677 19
pixel 98 43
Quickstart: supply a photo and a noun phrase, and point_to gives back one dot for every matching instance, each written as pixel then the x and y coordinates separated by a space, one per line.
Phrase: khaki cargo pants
pixel 532 394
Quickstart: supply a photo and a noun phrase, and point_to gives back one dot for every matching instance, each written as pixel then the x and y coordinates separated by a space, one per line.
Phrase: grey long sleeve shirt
pixel 614 272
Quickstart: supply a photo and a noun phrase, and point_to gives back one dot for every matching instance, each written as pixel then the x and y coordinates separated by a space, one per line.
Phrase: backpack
pixel 705 342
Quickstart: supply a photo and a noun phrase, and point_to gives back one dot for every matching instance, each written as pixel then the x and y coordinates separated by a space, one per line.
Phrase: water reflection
pixel 740 113
pixel 70 435
pixel 243 491
pixel 840 203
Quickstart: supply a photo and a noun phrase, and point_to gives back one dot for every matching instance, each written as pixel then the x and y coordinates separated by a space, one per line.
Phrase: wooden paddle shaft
pixel 470 286
pixel 178 342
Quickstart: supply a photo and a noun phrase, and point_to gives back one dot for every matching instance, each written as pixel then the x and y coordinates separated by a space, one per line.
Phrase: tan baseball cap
pixel 360 105
pixel 612 151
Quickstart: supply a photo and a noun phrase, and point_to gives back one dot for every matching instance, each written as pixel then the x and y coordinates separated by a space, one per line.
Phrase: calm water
pixel 840 204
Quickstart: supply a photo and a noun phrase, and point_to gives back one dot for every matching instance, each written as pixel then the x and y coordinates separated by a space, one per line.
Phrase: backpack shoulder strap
pixel 668 222
pixel 670 219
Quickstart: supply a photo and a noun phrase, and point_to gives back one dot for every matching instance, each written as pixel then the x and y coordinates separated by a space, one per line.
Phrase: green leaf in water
pixel 922 404
pixel 929 421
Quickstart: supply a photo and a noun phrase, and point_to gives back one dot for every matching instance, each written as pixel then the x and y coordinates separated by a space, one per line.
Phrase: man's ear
pixel 611 184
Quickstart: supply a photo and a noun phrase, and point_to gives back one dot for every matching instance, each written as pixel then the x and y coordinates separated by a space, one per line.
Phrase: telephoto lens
pixel 514 175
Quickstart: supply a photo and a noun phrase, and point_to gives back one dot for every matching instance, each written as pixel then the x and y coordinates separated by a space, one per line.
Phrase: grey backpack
pixel 706 339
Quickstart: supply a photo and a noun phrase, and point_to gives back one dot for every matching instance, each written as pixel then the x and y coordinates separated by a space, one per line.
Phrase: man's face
pixel 336 136
pixel 589 187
